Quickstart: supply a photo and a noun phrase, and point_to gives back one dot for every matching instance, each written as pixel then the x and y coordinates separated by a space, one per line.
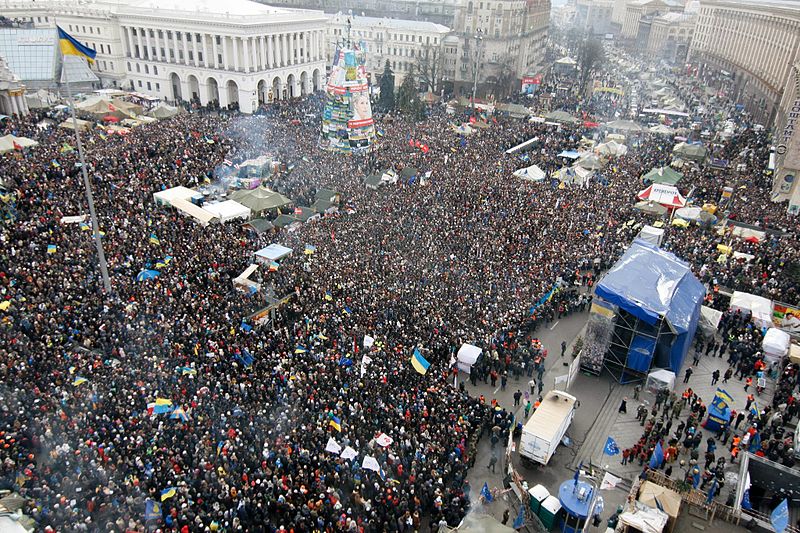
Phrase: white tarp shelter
pixel 776 344
pixel 709 320
pixel 198 213
pixel 652 235
pixel 7 143
pixel 166 196
pixel 531 173
pixel 660 379
pixel 645 519
pixel 228 210
pixel 467 355
pixel 760 307
pixel 612 148
pixel 273 252
pixel 243 280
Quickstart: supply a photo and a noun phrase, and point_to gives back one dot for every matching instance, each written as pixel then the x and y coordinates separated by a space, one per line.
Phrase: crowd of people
pixel 254 420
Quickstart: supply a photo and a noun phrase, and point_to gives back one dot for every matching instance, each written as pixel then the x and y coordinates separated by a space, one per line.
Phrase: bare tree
pixel 501 84
pixel 430 63
pixel 590 57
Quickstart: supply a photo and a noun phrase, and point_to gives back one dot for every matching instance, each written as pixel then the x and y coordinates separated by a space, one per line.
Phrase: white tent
pixel 709 320
pixel 7 143
pixel 661 129
pixel 531 173
pixel 228 210
pixel 198 213
pixel 760 307
pixel 467 355
pixel 612 148
pixel 652 235
pixel 166 196
pixel 776 344
pixel 273 252
pixel 660 379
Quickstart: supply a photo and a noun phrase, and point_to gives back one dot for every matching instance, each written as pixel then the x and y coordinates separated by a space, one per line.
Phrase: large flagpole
pixel 87 185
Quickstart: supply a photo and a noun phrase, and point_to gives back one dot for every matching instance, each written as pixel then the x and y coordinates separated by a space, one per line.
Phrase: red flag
pixel 424 148
pixel 333 235
pixel 17 146
pixel 111 107
pixel 196 134
pixel 411 142
pixel 298 210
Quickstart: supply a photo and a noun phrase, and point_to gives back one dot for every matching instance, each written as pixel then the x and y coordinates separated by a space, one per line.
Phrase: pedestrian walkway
pixel 626 430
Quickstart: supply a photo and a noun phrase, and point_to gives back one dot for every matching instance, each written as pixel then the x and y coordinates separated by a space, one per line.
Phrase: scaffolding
pixel 633 342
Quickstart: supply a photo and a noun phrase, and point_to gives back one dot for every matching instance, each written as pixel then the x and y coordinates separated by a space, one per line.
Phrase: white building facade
pixel 401 42
pixel 233 53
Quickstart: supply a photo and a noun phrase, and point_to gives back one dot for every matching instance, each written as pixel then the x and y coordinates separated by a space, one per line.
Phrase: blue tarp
pixel 651 284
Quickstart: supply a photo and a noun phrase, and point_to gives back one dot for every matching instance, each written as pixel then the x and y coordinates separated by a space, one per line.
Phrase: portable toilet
pixel 537 494
pixel 549 512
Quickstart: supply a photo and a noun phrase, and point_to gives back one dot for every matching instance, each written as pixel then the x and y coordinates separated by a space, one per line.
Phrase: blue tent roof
pixel 650 283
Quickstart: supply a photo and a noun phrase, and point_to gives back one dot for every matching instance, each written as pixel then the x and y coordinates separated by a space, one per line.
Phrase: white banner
pixel 384 440
pixel 348 453
pixel 370 463
pixel 368 341
pixel 333 446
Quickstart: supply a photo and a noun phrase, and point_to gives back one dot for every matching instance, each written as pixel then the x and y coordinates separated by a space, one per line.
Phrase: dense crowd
pixel 463 258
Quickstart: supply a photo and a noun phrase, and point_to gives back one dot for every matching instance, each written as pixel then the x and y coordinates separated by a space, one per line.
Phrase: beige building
pixel 754 49
pixel 670 36
pixel 753 45
pixel 594 16
pixel 504 38
pixel 640 11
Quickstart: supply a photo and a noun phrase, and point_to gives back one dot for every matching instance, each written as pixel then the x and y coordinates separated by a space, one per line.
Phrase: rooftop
pixel 394 24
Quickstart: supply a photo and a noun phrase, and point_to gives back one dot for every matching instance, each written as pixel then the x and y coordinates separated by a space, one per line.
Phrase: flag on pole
pixel 658 456
pixel 336 423
pixel 611 447
pixel 746 494
pixel 519 521
pixel 273 266
pixel 154 239
pixel 486 493
pixel 168 493
pixel 780 516
pixel 152 510
pixel 72 47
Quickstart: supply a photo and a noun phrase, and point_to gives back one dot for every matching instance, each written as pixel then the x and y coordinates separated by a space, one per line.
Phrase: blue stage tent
pixel 659 301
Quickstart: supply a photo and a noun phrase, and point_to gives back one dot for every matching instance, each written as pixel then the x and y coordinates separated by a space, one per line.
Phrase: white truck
pixel 544 430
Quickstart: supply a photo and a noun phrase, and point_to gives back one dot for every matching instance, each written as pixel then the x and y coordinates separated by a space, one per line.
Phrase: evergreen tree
pixel 386 101
pixel 408 101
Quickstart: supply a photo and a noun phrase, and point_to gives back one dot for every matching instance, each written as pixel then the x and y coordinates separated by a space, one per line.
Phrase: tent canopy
pixel 197 212
pixel 467 355
pixel 227 210
pixel 285 220
pixel 531 173
pixel 273 252
pixel 561 116
pixel 666 195
pixel 663 175
pixel 661 129
pixel 652 284
pixel 82 124
pixel 7 143
pixel 168 195
pixel 164 111
pixel 760 307
pixel 694 152
pixel 260 225
pixel 589 161
pixel 669 500
pixel 651 208
pixel 260 199
pixel 776 343
pixel 612 148
pixel 623 125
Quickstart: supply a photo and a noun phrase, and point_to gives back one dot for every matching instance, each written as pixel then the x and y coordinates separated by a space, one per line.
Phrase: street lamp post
pixel 478 42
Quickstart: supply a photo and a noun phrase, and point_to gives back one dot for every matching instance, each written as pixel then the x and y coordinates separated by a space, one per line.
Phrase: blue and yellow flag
pixel 336 424
pixel 419 363
pixel 154 239
pixel 70 46
pixel 168 493
pixel 152 510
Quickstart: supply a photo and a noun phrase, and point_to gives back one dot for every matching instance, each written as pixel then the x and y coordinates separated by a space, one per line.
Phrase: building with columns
pixel 752 46
pixel 235 53
pixel 12 92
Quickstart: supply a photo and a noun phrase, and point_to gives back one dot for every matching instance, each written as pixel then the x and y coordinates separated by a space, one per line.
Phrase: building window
pixel 140 83
pixel 158 86
pixel 146 69
pixel 155 70
pixel 111 64
pixel 138 68
pixel 129 66
pixel 108 47
pixel 149 88
pixel 200 56
pixel 219 40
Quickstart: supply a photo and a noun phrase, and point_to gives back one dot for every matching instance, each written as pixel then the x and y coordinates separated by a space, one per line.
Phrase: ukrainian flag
pixel 154 239
pixel 300 349
pixel 179 414
pixel 336 424
pixel 79 381
pixel 310 249
pixel 70 46
pixel 273 266
pixel 187 370
pixel 419 363
pixel 162 405
pixel 328 296
pixel 168 493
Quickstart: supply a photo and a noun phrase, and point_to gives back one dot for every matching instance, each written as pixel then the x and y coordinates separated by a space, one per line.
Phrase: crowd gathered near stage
pixel 162 405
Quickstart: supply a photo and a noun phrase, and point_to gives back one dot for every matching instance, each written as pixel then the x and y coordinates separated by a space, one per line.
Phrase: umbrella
pixel 145 274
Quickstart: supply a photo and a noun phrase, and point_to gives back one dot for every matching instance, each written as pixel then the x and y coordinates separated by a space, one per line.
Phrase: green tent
pixel 663 175
pixel 260 199
pixel 284 220
pixel 373 181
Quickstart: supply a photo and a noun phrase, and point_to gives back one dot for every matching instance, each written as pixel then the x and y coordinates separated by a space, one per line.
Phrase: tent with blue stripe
pixel 658 302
